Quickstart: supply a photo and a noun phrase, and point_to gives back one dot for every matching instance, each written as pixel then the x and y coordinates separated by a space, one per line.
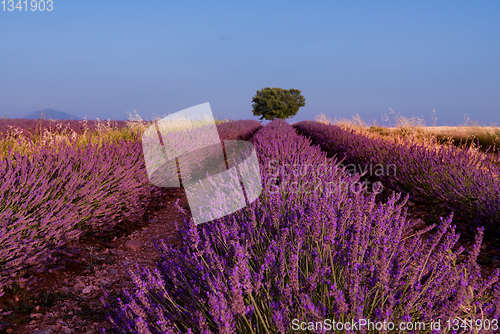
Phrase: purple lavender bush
pixel 460 180
pixel 62 191
pixel 57 194
pixel 305 251
pixel 238 130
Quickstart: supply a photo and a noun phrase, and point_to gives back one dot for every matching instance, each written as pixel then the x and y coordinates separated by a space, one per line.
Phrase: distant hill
pixel 51 114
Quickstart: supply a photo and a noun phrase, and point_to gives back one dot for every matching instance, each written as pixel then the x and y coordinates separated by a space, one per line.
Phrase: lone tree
pixel 270 103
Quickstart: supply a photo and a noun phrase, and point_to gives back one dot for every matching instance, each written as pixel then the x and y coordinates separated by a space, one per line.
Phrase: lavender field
pixel 316 245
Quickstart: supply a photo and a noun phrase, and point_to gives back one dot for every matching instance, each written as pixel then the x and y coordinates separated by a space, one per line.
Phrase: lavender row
pixel 238 130
pixel 52 197
pixel 461 180
pixel 29 128
pixel 296 256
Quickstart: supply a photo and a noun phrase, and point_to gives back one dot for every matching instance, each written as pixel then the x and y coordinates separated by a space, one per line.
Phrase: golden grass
pixel 473 138
pixel 415 129
pixel 59 136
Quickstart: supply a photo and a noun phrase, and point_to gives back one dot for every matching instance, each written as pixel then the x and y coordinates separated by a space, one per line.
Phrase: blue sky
pixel 104 58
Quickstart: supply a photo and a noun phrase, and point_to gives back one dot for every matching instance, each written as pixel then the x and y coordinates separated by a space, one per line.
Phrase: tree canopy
pixel 271 103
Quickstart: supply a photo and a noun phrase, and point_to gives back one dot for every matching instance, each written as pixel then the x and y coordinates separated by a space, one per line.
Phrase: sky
pixel 105 59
